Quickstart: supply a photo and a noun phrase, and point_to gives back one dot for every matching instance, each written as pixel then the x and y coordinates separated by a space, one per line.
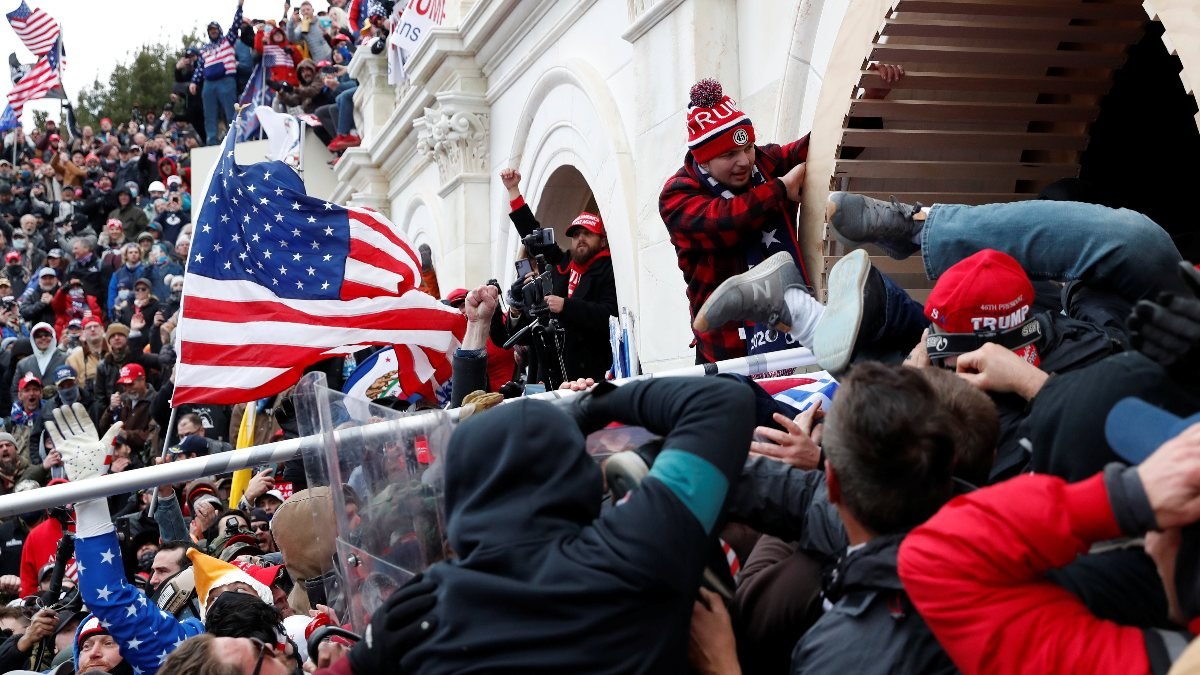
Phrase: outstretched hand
pixel 996 369
pixel 84 453
pixel 891 75
pixel 799 443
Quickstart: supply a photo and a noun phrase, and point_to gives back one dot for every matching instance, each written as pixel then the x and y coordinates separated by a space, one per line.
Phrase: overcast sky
pixel 98 35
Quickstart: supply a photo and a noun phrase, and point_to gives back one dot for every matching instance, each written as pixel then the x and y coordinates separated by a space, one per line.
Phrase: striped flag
pixel 37 83
pixel 37 30
pixel 278 280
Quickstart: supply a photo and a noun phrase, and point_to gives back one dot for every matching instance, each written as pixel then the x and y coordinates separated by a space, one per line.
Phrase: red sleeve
pixel 258 40
pixel 700 220
pixel 976 573
pixel 59 302
pixel 786 157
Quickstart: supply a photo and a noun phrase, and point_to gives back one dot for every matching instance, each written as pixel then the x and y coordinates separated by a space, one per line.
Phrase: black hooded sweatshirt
pixel 544 582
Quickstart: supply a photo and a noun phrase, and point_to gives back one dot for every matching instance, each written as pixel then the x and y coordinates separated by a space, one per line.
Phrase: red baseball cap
pixel 588 221
pixel 130 372
pixel 29 379
pixel 457 295
pixel 985 292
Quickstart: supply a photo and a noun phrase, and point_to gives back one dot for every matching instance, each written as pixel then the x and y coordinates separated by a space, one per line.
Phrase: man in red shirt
pixel 977 570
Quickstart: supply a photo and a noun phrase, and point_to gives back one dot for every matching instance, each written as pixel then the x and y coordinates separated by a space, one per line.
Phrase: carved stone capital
pixel 455 139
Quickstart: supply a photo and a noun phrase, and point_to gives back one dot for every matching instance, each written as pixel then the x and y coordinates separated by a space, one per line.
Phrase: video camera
pixel 533 293
pixel 539 238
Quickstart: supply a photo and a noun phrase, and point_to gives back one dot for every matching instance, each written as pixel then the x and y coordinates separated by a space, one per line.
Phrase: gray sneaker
pixel 837 331
pixel 856 220
pixel 755 295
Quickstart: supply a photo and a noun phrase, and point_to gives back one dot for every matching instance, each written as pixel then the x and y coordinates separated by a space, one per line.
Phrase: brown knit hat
pixel 117 327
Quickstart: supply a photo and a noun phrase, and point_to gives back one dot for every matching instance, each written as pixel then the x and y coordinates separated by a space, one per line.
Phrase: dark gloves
pixel 397 627
pixel 1168 330
pixel 585 411
pixel 516 296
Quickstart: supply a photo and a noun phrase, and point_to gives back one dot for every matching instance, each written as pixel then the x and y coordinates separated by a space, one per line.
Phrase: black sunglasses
pixel 263 650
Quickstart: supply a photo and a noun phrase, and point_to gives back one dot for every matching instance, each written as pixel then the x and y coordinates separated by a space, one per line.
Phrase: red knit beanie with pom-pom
pixel 715 124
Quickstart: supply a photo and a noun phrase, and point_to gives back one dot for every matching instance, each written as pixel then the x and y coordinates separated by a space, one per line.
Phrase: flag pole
pixel 282 451
pixel 233 129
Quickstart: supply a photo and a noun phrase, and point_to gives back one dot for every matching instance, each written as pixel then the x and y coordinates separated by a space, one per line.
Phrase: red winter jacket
pixel 40 547
pixel 976 572
pixel 709 231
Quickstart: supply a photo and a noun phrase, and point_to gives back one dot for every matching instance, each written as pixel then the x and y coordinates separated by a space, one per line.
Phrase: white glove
pixel 84 453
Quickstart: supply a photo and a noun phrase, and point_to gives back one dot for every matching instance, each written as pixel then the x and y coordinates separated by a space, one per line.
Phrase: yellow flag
pixel 245 439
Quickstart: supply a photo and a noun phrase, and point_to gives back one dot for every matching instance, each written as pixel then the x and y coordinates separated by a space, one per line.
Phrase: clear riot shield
pixel 386 492
pixel 386 485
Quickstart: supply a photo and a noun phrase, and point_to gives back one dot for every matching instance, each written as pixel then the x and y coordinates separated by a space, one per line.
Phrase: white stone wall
pixel 597 85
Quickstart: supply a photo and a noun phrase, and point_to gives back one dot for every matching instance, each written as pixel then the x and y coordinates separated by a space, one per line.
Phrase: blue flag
pixel 9 119
pixel 255 94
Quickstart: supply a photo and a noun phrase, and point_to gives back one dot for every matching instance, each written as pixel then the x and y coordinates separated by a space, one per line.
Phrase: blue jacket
pixel 145 634
pixel 122 274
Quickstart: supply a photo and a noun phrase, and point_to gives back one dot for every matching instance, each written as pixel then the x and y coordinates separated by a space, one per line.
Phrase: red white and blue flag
pixel 37 83
pixel 38 30
pixel 278 280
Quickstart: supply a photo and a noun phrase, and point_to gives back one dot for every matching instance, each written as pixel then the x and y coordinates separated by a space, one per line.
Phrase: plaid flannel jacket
pixel 709 231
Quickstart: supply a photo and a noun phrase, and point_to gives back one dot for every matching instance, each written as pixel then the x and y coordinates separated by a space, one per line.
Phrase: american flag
pixel 37 30
pixel 277 280
pixel 42 78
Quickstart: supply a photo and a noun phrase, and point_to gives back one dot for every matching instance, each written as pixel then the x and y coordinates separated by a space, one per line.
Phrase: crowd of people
pixel 297 64
pixel 1006 480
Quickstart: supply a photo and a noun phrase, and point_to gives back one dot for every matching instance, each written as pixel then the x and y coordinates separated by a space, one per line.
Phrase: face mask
pixel 133 192
pixel 174 296
pixel 123 294
pixel 69 395
pixel 25 175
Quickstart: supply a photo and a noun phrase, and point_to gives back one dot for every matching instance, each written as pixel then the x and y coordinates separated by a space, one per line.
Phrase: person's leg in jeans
pixel 328 116
pixel 212 110
pixel 345 110
pixel 868 316
pixel 228 98
pixel 1118 250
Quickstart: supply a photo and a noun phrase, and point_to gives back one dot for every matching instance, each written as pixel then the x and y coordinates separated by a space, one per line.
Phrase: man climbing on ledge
pixel 731 206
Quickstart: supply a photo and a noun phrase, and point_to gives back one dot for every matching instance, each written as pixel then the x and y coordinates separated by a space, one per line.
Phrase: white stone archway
pixel 570 118
pixel 420 224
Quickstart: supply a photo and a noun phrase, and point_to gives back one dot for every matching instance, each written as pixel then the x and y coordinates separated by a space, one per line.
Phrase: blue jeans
pixel 1115 250
pixel 345 110
pixel 903 322
pixel 218 96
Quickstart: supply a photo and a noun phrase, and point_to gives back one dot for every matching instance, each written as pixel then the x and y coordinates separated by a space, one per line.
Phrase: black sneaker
pixel 755 295
pixel 856 220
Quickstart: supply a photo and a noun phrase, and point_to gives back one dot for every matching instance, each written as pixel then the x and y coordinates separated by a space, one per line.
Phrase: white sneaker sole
pixel 837 329
pixel 763 270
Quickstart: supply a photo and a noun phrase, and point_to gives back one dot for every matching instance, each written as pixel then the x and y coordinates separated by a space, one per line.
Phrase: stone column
pixel 453 133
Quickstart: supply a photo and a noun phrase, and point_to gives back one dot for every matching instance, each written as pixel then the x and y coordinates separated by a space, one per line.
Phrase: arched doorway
pixel 565 195
pixel 1001 99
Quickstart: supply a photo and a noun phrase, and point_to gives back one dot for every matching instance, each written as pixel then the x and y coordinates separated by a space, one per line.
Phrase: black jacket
pixel 872 612
pixel 870 609
pixel 585 314
pixel 543 581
